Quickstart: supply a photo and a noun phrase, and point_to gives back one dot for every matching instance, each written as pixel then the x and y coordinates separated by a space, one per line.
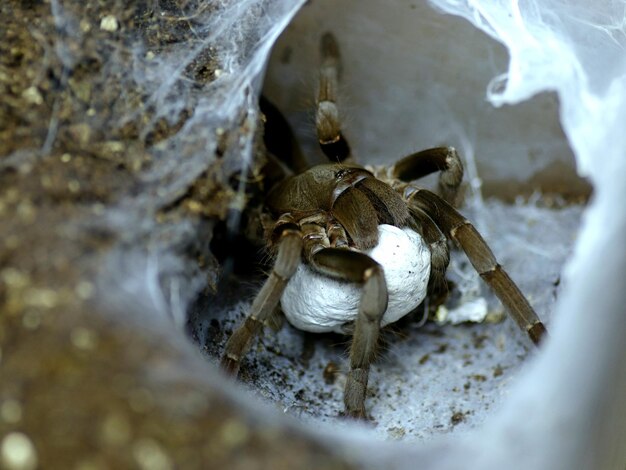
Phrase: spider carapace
pixel 358 247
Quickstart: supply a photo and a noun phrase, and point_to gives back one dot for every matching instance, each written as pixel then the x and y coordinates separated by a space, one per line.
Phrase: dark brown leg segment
pixel 331 140
pixel 483 260
pixel 443 159
pixel 439 253
pixel 358 267
pixel 287 260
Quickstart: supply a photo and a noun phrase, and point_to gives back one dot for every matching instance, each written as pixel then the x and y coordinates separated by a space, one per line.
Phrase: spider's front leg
pixel 358 267
pixel 287 260
pixel 480 255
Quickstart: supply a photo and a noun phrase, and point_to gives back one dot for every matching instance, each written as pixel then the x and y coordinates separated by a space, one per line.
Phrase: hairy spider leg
pixel 443 159
pixel 331 140
pixel 358 267
pixel 480 255
pixel 287 260
pixel 439 252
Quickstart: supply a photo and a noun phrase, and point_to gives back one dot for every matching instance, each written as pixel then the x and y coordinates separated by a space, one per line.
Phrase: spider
pixel 359 247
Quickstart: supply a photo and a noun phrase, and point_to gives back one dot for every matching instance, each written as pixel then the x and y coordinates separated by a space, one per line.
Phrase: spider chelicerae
pixel 359 247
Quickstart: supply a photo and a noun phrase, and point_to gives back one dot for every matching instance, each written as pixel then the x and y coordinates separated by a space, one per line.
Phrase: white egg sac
pixel 315 302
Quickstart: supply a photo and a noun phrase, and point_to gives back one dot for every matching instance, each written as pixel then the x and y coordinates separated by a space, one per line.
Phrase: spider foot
pixel 230 366
pixel 359 414
pixel 537 332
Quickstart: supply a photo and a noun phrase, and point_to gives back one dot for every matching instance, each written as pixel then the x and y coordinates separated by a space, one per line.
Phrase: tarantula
pixel 326 219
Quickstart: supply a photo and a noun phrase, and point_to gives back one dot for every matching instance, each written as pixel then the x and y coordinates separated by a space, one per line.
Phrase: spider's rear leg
pixel 460 229
pixel 287 260
pixel 331 140
pixel 423 163
pixel 358 267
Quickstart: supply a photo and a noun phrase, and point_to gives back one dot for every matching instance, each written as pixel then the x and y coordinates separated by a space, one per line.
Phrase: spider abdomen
pixel 317 303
